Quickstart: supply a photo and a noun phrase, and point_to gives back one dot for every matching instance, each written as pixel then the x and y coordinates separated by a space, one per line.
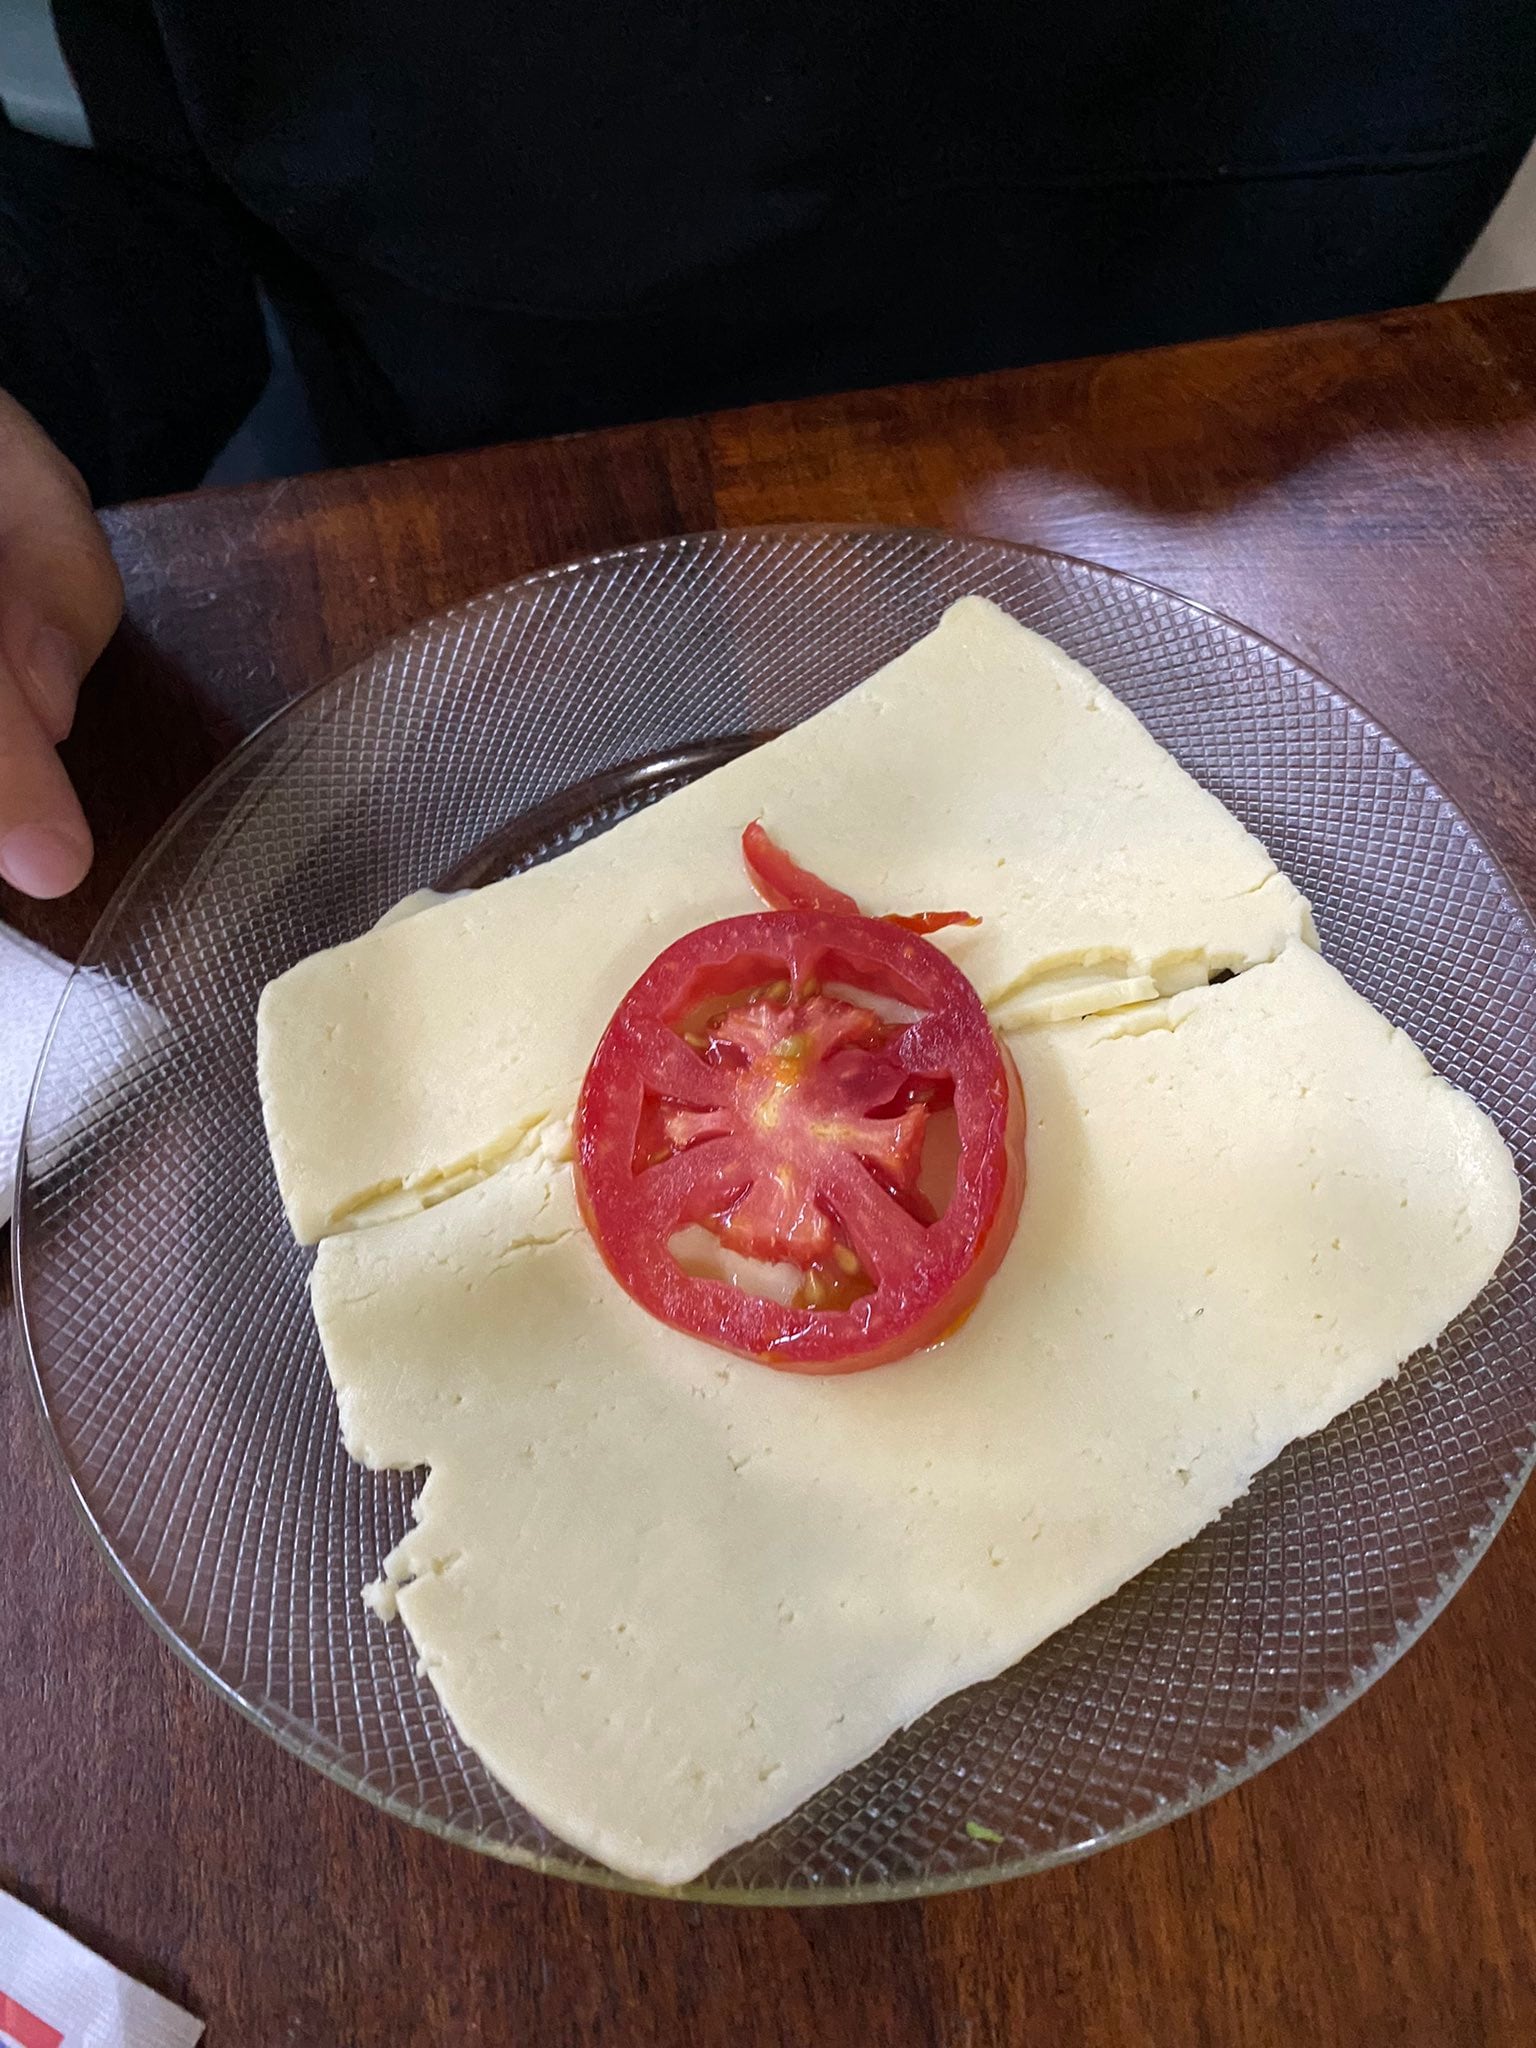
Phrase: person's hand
pixel 60 597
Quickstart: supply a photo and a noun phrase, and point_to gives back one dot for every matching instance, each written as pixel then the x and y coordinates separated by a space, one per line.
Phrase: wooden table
pixel 1363 493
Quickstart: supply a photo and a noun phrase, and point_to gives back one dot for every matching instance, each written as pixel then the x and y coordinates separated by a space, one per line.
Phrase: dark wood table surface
pixel 1364 493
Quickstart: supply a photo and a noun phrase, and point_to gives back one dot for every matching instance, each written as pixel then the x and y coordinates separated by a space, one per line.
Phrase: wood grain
pixel 1364 493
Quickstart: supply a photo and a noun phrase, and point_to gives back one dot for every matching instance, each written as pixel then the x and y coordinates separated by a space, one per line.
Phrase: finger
pixel 45 843
pixel 60 593
pixel 44 662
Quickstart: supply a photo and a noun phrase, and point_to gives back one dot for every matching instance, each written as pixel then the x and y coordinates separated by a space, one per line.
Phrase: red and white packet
pixel 56 1994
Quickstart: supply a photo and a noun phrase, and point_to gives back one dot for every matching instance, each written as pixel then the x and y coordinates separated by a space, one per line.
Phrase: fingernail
pixel 53 679
pixel 41 861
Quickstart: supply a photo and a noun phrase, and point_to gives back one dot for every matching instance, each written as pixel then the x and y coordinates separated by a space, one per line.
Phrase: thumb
pixel 60 598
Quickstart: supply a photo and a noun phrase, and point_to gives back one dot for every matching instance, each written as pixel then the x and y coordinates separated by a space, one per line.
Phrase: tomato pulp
pixel 777 1079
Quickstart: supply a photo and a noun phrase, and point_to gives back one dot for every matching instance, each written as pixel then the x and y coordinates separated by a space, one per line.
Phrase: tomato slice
pixel 784 885
pixel 776 1079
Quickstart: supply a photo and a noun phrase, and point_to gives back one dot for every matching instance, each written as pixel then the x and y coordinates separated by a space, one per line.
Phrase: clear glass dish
pixel 163 1301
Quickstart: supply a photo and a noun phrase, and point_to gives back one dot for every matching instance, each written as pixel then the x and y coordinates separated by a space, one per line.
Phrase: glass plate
pixel 164 1304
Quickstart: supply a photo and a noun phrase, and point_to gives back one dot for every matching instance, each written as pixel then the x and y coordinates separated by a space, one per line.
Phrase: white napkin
pixel 56 1994
pixel 31 982
pixel 111 1035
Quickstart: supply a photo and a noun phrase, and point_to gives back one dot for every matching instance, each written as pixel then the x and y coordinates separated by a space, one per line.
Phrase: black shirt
pixel 491 218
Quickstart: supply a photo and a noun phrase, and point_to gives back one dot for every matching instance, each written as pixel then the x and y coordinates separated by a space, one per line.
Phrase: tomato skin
pixel 926 1276
pixel 782 883
pixel 925 921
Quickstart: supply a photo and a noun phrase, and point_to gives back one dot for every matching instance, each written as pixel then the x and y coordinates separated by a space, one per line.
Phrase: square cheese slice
pixel 419 1055
pixel 666 1594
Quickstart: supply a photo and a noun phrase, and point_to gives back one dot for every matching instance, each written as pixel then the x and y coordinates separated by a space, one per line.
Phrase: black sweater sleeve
pixel 129 321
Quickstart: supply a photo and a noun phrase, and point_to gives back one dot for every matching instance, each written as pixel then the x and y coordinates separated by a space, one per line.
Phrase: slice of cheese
pixel 666 1594
pixel 419 1055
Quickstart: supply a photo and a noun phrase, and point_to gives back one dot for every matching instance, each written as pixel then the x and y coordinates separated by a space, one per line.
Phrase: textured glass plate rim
pixel 1226 1778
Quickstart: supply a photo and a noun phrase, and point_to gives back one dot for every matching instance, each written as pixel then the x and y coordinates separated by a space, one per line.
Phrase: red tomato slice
pixel 732 1090
pixel 784 885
